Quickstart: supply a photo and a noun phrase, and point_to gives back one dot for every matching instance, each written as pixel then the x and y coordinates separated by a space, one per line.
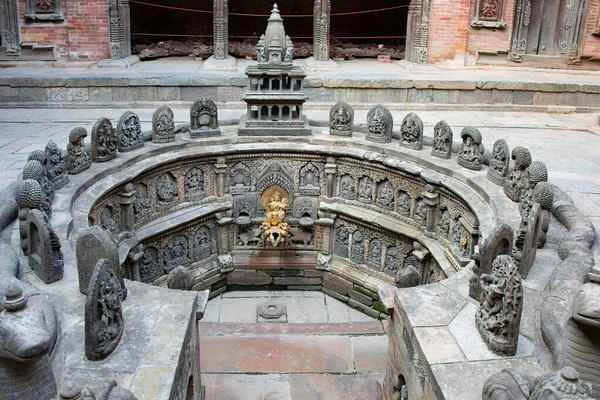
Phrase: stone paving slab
pixel 335 387
pixel 352 328
pixel 370 353
pixel 246 387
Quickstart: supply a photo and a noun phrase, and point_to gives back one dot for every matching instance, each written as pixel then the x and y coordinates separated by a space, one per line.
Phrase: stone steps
pixel 293 361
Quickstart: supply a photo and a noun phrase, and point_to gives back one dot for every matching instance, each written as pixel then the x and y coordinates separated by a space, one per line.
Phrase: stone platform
pixel 181 79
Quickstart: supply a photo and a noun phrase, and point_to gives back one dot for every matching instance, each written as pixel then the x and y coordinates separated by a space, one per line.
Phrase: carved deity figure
pixel 309 179
pixel 499 163
pixel 404 204
pixel 129 131
pixel 141 202
pixel 275 200
pixel 365 190
pixel 379 124
pixel 459 239
pixel 204 119
pixel 347 188
pixel 149 269
pixel 443 226
pixel 420 215
pixel 374 258
pixel 79 159
pixel 499 316
pixel 104 141
pixel 489 10
pixel 385 195
pixel 341 118
pixel 194 184
pixel 391 261
pixel 176 253
pixel 518 178
pixel 163 125
pixel 342 237
pixel 56 166
pixel 442 140
pixel 202 244
pixel 166 188
pixel 471 150
pixel 411 132
pixel 108 222
pixel 357 252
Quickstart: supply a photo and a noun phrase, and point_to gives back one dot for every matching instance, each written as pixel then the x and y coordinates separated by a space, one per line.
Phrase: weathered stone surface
pixel 240 387
pixel 346 328
pixel 67 94
pixel 45 256
pixel 92 245
pixel 431 305
pixel 335 387
pixel 180 278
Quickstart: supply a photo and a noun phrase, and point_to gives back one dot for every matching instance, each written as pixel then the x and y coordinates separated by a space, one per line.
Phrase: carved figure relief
pixel 141 202
pixel 130 133
pixel 411 132
pixel 391 261
pixel 471 150
pixel 365 190
pixel 404 203
pixel 459 239
pixel 489 10
pixel 104 141
pixel 385 195
pixel 244 206
pixel 322 23
pixel 357 251
pixel 107 221
pixel 45 255
pixel 166 189
pixel 240 178
pixel 176 253
pixel 420 215
pixel 193 184
pixel 305 207
pixel 79 159
pixel 379 124
pixel 275 200
pixel 518 179
pixel 498 318
pixel 299 236
pixel 204 119
pixel 499 162
pixel 149 268
pixel 341 117
pixel 374 258
pixel 347 189
pixel 442 140
pixel 163 125
pixel 56 166
pixel 250 236
pixel 443 226
pixel 342 237
pixel 202 245
pixel 103 312
pixel 310 179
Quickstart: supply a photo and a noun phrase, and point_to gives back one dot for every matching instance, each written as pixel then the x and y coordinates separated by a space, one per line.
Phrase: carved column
pixel 321 28
pixel 225 259
pixel 521 19
pixel 330 171
pixel 430 199
pixel 220 171
pixel 417 31
pixel 127 221
pixel 119 29
pixel 572 24
pixel 325 256
pixel 9 27
pixel 132 263
pixel 220 29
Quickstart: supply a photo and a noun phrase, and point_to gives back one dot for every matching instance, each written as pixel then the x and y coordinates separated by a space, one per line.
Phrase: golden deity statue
pixel 275 200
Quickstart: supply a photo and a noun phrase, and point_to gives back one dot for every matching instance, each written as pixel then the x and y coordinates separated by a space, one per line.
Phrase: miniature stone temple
pixel 79 160
pixel 163 125
pixel 204 120
pixel 274 96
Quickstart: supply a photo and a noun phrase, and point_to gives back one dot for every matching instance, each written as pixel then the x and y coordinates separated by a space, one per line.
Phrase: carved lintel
pixel 488 24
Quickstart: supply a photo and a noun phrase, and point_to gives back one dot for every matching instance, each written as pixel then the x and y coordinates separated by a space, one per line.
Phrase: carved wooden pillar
pixel 119 29
pixel 9 27
pixel 596 31
pixel 220 29
pixel 572 25
pixel 330 170
pixel 417 31
pixel 321 28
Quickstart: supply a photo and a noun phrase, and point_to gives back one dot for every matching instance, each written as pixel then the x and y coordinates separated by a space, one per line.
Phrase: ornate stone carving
pixel 310 181
pixel 129 131
pixel 163 125
pixel 119 29
pixel 109 391
pixel 193 184
pixel 420 214
pixel 202 244
pixel 341 117
pixel 250 236
pixel 391 261
pixel 204 119
pixel 342 237
pixel 25 370
pixel 141 202
pixel 365 190
pixel 103 312
pixel 518 179
pixel 56 166
pixel 104 141
pixel 149 268
pixel 47 186
pixel 240 178
pixel 460 239
pixel 525 246
pixel 176 253
pixel 499 162
pixel 385 195
pixel 442 140
pixel 498 318
pixel 30 198
pixel 411 132
pixel 94 244
pixel 180 278
pixel 166 189
pixel 379 124
pixel 347 189
pixel 10 31
pixel 321 21
pixel 43 10
pixel 244 206
pixel 471 150
pixel 404 204
pixel 220 29
pixel 225 262
pixel 107 221
pixel 276 173
pixel 489 14
pixel 443 225
pixel 582 349
pixel 79 159
pixel 417 33
pixel 300 236
pixel 275 201
pixel 374 257
pixel 45 256
pixel 357 252
pixel 305 207
pixel 271 311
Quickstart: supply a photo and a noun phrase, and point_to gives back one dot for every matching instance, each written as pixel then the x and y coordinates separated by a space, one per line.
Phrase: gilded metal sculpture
pixel 275 200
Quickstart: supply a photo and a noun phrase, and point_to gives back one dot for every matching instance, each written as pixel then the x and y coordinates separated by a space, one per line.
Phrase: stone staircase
pixel 299 361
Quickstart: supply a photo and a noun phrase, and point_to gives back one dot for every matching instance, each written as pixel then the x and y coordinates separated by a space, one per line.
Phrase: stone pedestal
pixel 214 64
pixel 314 65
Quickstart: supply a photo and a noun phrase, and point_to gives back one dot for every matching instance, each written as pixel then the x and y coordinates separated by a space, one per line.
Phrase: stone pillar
pixel 220 29
pixel 220 171
pixel 422 256
pixel 431 199
pixel 330 171
pixel 127 221
pixel 321 28
pixel 9 27
pixel 132 263
pixel 417 31
pixel 325 256
pixel 225 259
pixel 119 29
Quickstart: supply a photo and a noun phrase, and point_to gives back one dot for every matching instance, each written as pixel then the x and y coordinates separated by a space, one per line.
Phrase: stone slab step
pixel 273 328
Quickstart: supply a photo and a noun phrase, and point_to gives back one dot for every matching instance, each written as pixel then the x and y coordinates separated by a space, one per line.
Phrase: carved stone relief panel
pixel 163 125
pixel 499 162
pixel 385 195
pixel 442 140
pixel 404 203
pixel 43 10
pixel 141 202
pixel 244 206
pixel 342 238
pixel 391 261
pixel 347 188
pixel 204 119
pixel 411 132
pixel 203 244
pixel 420 213
pixel 374 257
pixel 166 190
pixel 9 27
pixel 149 268
pixel 357 251
pixel 108 221
pixel 176 253
pixel 305 207
pixel 104 141
pixel 300 236
pixel 365 190
pixel 194 184
pixel 341 117
pixel 310 179
pixel 129 131
pixel 380 123
pixel 240 178
pixel 489 14
pixel 443 222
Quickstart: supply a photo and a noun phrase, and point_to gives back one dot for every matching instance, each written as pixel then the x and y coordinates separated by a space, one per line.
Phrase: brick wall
pixel 448 29
pixel 83 35
pixel 490 39
pixel 591 44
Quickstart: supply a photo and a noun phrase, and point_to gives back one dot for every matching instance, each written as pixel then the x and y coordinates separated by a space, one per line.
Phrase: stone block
pixel 284 272
pixel 420 95
pixel 313 274
pixel 439 346
pixel 361 307
pixel 501 96
pixel 306 287
pixel 67 94
pixel 477 96
pixel 99 94
pixel 522 97
pixel 444 96
pixel 331 285
pixel 297 281
pixel 370 353
pixel 546 98
pixel 329 387
pixel 320 94
pixel 193 93
pixel 334 294
pixel 236 386
pixel 9 94
pixel 339 280
pixel 366 300
pixel 133 93
pixel 167 93
pixel 247 278
pixel 379 306
pixel 32 94
pixel 366 292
